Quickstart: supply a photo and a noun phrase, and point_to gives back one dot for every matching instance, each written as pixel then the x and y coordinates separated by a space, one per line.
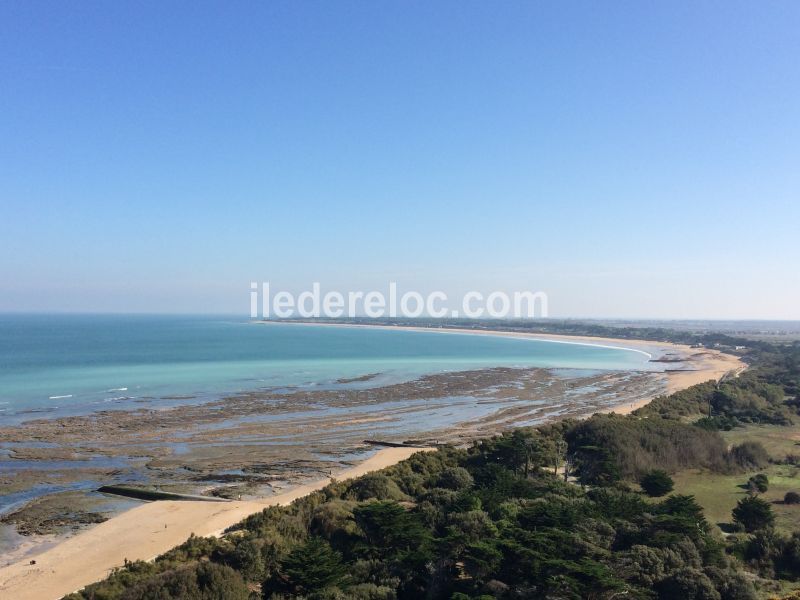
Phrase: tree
pixel 656 483
pixel 481 558
pixel 753 514
pixel 596 466
pixel 521 451
pixel 391 529
pixel 313 565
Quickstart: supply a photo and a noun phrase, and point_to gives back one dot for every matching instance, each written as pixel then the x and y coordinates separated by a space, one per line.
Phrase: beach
pixel 146 531
pixel 506 397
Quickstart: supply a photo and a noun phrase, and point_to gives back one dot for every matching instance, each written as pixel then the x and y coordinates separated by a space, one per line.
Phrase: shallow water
pixel 52 365
pixel 62 365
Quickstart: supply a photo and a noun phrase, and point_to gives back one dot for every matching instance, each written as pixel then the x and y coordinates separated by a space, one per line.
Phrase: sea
pixel 59 365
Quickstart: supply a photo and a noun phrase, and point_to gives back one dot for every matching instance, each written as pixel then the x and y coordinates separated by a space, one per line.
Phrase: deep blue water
pixel 66 364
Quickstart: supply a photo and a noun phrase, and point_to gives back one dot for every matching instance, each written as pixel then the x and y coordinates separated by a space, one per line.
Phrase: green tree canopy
pixel 753 514
pixel 656 483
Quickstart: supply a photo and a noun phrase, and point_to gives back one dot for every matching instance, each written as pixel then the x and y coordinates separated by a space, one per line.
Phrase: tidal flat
pixel 258 443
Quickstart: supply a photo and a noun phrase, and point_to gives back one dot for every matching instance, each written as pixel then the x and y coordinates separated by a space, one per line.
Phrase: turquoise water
pixel 52 365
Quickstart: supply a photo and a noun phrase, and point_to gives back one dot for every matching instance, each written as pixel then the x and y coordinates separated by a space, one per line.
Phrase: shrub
pixel 759 483
pixel 375 486
pixel 749 455
pixel 789 562
pixel 656 483
pixel 454 478
pixel 753 514
pixel 791 498
pixel 718 423
pixel 201 581
pixel 687 583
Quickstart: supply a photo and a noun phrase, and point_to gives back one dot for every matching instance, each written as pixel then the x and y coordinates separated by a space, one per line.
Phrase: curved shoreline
pixel 153 528
pixel 713 365
pixel 596 342
pixel 640 346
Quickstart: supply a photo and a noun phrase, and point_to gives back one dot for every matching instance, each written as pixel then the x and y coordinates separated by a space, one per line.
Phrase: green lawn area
pixel 718 494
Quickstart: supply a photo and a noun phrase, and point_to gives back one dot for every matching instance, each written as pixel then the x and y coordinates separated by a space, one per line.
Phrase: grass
pixel 718 494
pixel 779 440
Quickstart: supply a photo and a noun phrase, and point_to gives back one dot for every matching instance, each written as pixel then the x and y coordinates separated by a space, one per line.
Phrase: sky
pixel 629 159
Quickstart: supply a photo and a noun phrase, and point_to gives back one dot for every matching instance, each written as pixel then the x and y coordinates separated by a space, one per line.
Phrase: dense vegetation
pixel 491 520
pixel 552 512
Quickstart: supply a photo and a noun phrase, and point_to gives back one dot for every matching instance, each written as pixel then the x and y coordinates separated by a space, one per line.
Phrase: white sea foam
pixel 117 390
pixel 59 397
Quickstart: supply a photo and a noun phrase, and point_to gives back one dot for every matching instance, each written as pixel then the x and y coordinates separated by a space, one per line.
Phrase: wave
pixel 117 390
pixel 59 397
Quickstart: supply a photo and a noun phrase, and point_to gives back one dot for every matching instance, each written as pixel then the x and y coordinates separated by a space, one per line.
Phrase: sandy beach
pixel 152 528
pixel 146 531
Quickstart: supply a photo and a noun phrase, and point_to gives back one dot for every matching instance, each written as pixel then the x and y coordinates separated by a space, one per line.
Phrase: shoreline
pixel 577 340
pixel 89 555
pixel 715 364
pixel 149 530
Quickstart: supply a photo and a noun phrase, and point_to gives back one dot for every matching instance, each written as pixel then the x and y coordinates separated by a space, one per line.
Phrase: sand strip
pixel 146 531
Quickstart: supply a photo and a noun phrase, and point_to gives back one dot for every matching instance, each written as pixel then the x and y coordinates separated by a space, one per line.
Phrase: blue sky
pixel 630 159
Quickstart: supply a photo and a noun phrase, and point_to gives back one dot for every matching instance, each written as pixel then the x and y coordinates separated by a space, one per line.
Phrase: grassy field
pixel 718 494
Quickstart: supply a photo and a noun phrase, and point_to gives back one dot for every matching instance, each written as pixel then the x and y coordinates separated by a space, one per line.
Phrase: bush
pixel 791 498
pixel 718 423
pixel 687 583
pixel 753 514
pixel 656 483
pixel 375 486
pixel 454 478
pixel 749 455
pixel 202 581
pixel 758 483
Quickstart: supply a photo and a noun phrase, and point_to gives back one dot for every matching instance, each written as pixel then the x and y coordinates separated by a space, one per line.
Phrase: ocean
pixel 54 365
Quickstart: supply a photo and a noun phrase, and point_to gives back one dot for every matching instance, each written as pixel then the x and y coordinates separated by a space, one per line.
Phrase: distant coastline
pixel 715 363
pixel 597 342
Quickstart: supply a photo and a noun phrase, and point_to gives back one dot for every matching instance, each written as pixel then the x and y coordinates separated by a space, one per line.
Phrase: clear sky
pixel 631 159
